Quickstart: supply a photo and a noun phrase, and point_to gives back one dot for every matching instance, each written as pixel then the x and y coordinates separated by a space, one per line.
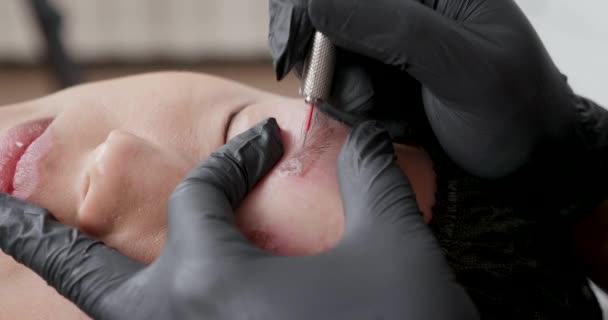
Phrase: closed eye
pixel 230 119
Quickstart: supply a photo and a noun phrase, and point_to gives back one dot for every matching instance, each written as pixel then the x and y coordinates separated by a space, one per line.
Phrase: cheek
pixel 130 181
pixel 288 215
pixel 141 233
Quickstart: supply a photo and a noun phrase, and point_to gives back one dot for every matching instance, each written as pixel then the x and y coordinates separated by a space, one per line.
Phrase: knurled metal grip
pixel 318 72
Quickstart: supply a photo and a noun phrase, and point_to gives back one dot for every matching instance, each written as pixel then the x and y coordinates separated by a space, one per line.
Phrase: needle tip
pixel 308 122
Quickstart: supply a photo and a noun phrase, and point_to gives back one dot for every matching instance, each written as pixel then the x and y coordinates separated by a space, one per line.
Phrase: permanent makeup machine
pixel 317 76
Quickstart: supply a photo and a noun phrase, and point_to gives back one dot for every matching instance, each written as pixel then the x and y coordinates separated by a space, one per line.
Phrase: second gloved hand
pixel 387 266
pixel 490 90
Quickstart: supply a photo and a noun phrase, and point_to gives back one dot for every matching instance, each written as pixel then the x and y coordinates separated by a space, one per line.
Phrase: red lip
pixel 14 145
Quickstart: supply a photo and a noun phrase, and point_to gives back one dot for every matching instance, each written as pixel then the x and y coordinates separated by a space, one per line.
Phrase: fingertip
pixel 270 131
pixel 265 137
pixel 269 126
pixel 230 172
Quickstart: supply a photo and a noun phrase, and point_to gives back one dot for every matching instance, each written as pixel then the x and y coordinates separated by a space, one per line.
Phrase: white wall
pixel 575 32
pixel 142 29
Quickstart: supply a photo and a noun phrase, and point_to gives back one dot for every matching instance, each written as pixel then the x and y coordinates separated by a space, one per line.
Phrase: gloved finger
pixel 409 35
pixel 375 192
pixel 352 92
pixel 384 224
pixel 290 33
pixel 365 89
pixel 354 95
pixel 79 268
pixel 201 210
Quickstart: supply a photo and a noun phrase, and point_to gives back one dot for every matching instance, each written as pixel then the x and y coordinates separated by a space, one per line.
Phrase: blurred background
pixel 110 38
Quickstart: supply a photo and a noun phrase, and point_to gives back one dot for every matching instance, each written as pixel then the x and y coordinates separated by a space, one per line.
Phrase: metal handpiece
pixel 318 70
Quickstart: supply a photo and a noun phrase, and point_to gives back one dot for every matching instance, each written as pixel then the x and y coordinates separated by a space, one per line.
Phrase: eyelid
pixel 85 187
pixel 230 118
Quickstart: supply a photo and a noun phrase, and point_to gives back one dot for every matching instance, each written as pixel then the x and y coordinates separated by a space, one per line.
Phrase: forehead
pixel 185 112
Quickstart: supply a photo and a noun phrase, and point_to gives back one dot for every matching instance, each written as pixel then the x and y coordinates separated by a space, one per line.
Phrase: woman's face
pixel 115 150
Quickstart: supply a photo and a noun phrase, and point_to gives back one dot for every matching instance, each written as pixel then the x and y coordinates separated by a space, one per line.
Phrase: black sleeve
pixel 593 126
pixel 573 177
pixel 593 131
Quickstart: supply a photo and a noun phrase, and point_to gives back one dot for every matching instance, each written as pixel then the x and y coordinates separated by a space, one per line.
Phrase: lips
pixel 20 150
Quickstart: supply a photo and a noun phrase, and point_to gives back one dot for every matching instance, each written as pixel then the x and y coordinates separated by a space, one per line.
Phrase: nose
pixel 126 187
pixel 108 169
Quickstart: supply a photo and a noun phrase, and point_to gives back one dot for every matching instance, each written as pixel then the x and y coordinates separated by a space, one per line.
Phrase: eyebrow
pixel 318 139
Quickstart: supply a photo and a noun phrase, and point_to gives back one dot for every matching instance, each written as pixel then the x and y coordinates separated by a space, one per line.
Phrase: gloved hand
pixel 491 92
pixel 387 266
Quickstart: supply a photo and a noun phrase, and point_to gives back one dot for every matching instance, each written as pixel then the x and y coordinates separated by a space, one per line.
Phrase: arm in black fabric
pixel 591 231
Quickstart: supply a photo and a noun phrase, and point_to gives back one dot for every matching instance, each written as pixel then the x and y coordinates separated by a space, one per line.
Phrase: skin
pixel 120 147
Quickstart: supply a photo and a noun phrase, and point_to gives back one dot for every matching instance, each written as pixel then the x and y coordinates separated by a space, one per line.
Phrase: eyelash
pixel 85 188
pixel 228 125
pixel 232 116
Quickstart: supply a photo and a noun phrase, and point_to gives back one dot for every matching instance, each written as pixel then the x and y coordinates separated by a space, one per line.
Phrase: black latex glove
pixel 490 91
pixel 387 266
